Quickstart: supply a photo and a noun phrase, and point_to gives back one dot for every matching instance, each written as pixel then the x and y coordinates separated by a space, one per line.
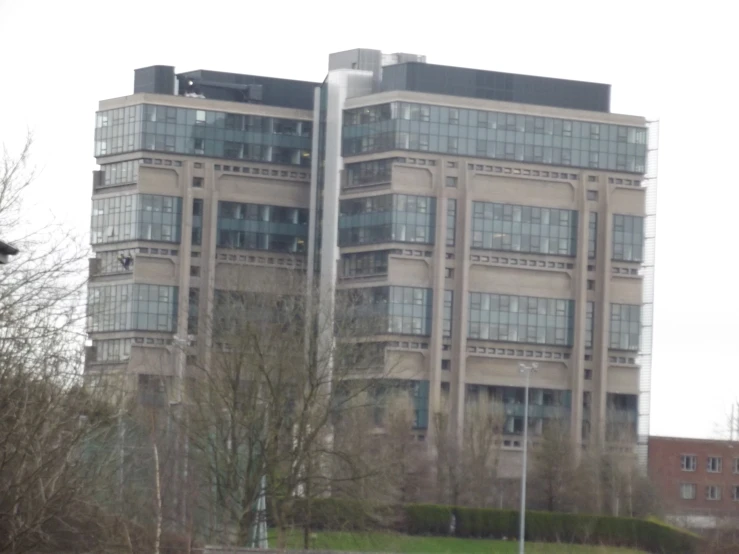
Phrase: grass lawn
pixel 390 542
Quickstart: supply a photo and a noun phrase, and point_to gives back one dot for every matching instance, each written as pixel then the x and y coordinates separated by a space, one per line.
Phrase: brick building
pixel 698 479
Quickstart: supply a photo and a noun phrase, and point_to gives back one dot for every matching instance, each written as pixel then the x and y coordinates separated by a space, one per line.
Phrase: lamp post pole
pixel 526 370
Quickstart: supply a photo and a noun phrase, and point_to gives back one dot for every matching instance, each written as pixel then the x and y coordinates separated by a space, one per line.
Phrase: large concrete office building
pixel 496 219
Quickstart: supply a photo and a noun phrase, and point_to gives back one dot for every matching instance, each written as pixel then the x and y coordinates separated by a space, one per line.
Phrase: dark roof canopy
pixel 7 249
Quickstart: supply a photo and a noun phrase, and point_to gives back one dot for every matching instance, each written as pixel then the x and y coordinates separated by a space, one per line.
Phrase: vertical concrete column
pixel 602 317
pixel 313 201
pixel 438 264
pixel 341 85
pixel 183 281
pixel 579 276
pixel 461 300
pixel 208 257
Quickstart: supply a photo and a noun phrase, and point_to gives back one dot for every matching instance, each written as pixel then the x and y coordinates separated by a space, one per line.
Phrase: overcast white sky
pixel 674 62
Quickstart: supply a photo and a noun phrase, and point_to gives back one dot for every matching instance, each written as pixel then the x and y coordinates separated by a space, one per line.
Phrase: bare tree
pixel 553 468
pixel 446 456
pixel 468 474
pixel 266 397
pixel 380 458
pixel 53 435
pixel 483 440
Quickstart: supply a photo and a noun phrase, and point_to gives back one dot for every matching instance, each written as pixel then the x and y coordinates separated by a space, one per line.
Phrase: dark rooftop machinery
pixel 404 72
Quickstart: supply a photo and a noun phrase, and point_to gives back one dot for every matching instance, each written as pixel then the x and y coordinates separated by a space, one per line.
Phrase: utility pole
pixel 526 370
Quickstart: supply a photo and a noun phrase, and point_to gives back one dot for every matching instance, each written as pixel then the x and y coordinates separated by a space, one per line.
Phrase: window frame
pixel 693 457
pixel 694 489
pixel 720 464
pixel 710 497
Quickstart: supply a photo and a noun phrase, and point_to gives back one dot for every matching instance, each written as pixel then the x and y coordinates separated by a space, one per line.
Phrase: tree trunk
pixel 158 539
pixel 307 517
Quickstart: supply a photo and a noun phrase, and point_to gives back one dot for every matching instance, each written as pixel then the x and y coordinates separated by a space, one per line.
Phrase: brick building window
pixel 713 492
pixel 714 464
pixel 687 491
pixel 688 462
pixel 735 492
pixel 736 465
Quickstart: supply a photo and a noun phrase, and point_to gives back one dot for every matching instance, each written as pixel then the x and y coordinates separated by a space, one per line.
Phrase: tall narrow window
pixel 592 234
pixel 197 221
pixel 451 221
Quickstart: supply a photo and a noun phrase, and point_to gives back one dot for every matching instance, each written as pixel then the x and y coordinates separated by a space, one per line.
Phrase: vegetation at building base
pixel 487 523
pixel 344 541
pixel 553 527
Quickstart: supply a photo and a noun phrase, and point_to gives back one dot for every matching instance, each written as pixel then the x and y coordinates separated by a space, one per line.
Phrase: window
pixel 451 181
pixel 496 135
pixel 592 195
pixel 588 374
pixel 197 182
pixel 628 238
pixel 115 261
pixel 387 218
pixel 112 350
pixel 589 324
pixel 687 491
pixel 591 284
pixel 622 416
pixel 262 227
pixel 448 272
pixel 451 164
pixel 362 264
pixel 131 307
pixel 625 327
pixel 120 173
pixel 194 271
pixel 688 462
pixel 713 492
pixel 189 131
pixel 197 221
pixel 369 173
pixel 736 465
pixel 451 221
pixel 714 464
pixel 401 310
pixel 192 311
pixel 547 404
pixel 592 235
pixel 446 365
pixel 447 320
pixel 198 165
pixel 136 217
pixel 507 318
pixel 592 178
pixel 735 493
pixel 516 228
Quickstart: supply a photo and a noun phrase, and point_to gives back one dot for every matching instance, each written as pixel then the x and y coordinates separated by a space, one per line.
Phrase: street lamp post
pixel 526 370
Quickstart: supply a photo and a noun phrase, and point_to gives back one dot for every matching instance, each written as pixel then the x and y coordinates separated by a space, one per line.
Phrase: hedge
pixel 485 523
pixel 342 514
pixel 651 536
pixel 427 519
